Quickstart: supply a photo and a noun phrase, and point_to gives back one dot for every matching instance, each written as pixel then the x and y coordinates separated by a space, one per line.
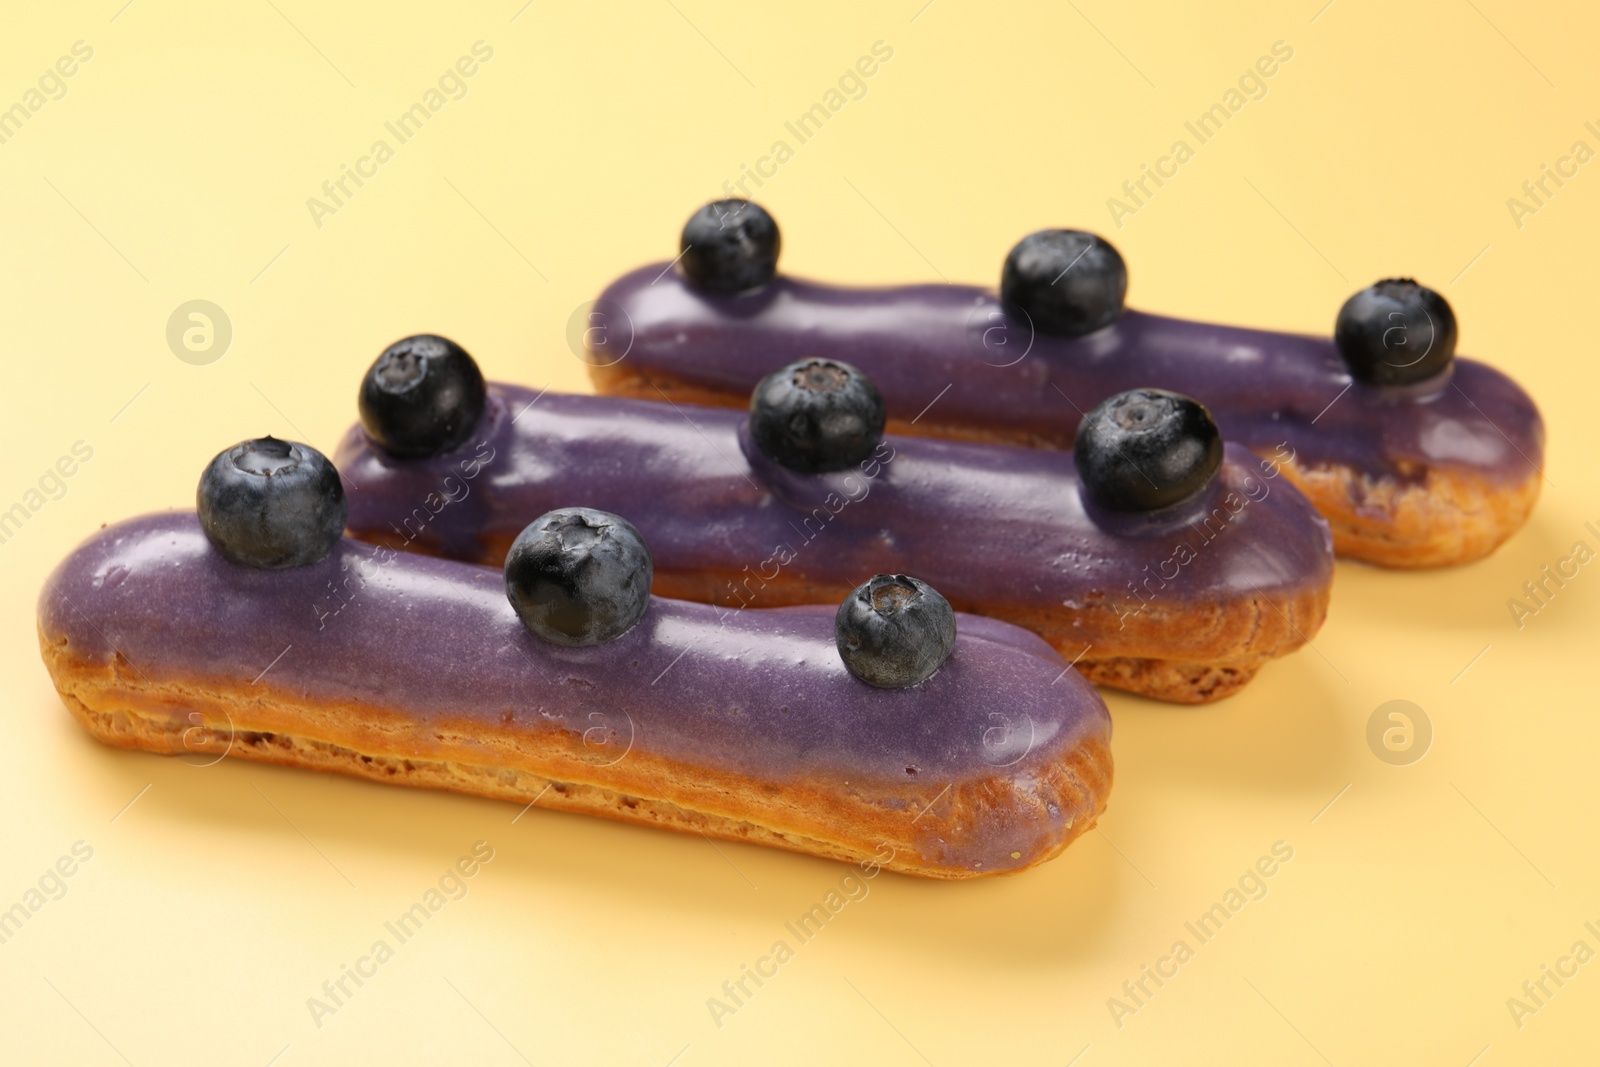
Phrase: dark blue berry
pixel 729 246
pixel 423 396
pixel 1395 332
pixel 1069 282
pixel 893 631
pixel 579 577
pixel 268 503
pixel 816 415
pixel 1146 449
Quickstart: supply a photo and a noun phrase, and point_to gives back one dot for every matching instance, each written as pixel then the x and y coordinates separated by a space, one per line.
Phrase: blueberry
pixel 422 397
pixel 1146 449
pixel 894 631
pixel 579 577
pixel 816 415
pixel 1068 281
pixel 1395 332
pixel 268 503
pixel 729 246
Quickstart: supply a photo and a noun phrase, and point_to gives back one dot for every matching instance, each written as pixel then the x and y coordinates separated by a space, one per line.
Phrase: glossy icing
pixel 983 524
pixel 1265 389
pixel 758 693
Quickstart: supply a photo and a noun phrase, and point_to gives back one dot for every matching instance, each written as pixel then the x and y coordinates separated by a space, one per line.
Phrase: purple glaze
pixel 757 693
pixel 983 524
pixel 1264 388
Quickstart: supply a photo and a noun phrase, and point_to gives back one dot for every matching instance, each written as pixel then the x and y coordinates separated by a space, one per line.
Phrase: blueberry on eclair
pixel 423 396
pixel 894 631
pixel 579 577
pixel 267 504
pixel 729 246
pixel 1395 332
pixel 1146 449
pixel 1068 282
pixel 816 415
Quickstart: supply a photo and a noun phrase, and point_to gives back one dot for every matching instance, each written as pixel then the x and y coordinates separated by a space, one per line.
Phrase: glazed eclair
pixel 1415 457
pixel 1179 591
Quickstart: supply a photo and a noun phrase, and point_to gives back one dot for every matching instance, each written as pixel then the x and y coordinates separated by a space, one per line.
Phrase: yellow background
pixel 177 167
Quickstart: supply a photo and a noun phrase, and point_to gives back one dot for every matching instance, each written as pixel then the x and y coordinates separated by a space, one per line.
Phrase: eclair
pixel 888 731
pixel 1415 457
pixel 1155 558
